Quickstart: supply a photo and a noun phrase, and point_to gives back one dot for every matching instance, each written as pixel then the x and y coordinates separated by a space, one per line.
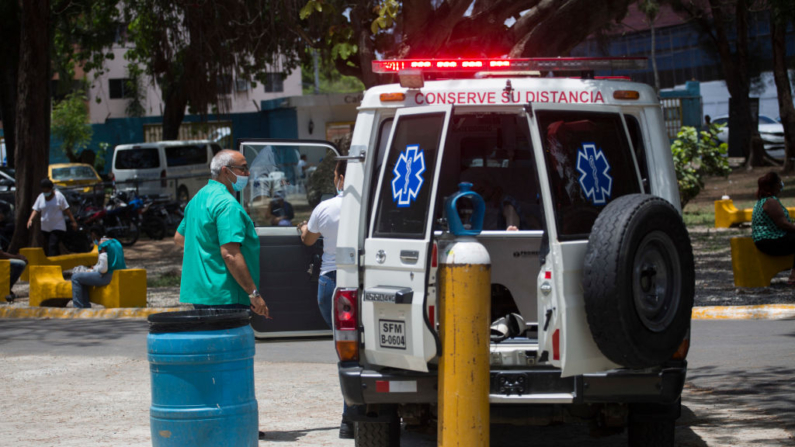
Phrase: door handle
pixel 409 256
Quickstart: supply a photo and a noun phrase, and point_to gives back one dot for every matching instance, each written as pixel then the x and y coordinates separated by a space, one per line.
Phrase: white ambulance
pixel 592 267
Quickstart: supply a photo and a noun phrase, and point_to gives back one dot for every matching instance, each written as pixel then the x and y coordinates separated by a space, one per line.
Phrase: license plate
pixel 392 334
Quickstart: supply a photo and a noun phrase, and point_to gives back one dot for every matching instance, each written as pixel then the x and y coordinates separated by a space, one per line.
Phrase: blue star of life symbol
pixel 595 179
pixel 407 179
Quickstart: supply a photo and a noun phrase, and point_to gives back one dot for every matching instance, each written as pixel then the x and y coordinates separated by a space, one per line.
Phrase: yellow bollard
pixel 464 318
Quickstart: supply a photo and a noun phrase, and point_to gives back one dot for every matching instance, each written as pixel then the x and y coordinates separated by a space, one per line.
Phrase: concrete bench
pixel 36 256
pixel 5 279
pixel 727 215
pixel 751 267
pixel 127 288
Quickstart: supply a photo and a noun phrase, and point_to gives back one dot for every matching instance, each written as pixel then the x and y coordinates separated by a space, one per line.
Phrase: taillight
pixel 684 348
pixel 346 324
pixel 434 256
pixel 112 177
pixel 346 306
pixel 163 181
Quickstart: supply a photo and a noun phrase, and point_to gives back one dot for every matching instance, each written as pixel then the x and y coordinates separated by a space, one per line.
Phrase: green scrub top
pixel 115 255
pixel 214 218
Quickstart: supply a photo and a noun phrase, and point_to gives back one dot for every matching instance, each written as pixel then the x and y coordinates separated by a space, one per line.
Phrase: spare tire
pixel 639 281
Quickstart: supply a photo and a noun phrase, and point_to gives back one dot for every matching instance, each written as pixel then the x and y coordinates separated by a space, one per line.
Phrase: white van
pixel 177 168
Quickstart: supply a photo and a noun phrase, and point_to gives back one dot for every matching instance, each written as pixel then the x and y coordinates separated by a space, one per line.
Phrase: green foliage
pixel 697 155
pixel 135 90
pixel 70 123
pixel 99 160
pixel 193 50
pixel 331 80
pixel 83 31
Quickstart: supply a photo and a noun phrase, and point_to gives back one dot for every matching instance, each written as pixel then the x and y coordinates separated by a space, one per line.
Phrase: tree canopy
pixel 352 33
pixel 195 50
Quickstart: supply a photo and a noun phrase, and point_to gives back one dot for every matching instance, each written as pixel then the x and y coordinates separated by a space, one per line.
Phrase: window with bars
pixel 118 88
pixel 274 82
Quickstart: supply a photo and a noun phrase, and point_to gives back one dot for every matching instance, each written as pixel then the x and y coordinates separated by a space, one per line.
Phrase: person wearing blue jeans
pixel 324 221
pixel 18 264
pixel 111 258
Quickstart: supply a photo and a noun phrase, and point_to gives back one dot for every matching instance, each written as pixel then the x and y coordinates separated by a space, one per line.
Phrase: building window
pixel 274 82
pixel 118 88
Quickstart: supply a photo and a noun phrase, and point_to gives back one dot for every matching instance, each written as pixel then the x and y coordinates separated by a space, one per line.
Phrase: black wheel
pixel 154 227
pixel 639 281
pixel 129 235
pixel 377 434
pixel 182 194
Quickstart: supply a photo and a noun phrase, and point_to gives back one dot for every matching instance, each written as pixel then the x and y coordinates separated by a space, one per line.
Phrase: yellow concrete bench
pixel 127 288
pixel 36 256
pixel 751 267
pixel 727 215
pixel 5 279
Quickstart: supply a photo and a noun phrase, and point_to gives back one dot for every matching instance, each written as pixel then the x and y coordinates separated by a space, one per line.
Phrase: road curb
pixel 49 312
pixel 760 312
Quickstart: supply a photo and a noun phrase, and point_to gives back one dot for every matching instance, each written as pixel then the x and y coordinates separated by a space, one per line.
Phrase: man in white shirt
pixel 51 206
pixel 324 221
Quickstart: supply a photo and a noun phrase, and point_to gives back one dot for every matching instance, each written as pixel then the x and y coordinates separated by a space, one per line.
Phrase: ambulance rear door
pixel 398 247
pixel 586 161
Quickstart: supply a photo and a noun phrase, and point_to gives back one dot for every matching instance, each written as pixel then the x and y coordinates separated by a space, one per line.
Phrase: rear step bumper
pixel 537 386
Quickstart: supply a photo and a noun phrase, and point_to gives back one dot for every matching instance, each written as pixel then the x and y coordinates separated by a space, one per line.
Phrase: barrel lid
pixel 198 320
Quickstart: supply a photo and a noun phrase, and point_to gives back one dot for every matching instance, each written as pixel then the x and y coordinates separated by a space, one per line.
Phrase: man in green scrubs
pixel 220 265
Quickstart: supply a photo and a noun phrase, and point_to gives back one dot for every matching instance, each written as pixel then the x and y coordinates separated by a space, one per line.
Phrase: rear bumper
pixel 537 386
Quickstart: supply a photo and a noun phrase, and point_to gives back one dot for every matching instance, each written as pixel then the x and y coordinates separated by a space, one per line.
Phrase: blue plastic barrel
pixel 202 369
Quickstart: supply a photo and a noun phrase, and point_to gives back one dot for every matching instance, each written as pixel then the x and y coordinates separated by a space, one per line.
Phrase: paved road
pixel 739 390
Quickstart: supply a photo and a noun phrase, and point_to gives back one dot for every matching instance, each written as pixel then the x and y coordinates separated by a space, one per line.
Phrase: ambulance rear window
pixel 403 201
pixel 589 163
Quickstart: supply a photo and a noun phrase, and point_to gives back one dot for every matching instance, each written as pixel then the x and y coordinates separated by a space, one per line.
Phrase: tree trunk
pixel 654 56
pixel 785 107
pixel 175 100
pixel 735 71
pixel 9 55
pixel 33 110
pixel 364 40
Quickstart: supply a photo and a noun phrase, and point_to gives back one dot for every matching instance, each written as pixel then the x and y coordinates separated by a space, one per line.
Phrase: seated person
pixel 504 212
pixel 771 226
pixel 18 264
pixel 281 211
pixel 111 257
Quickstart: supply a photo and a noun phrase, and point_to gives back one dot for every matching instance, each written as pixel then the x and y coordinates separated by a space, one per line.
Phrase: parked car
pixel 771 131
pixel 153 164
pixel 70 175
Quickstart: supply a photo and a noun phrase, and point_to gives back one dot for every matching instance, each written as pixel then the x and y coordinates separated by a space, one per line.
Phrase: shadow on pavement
pixel 292 435
pixel 761 399
pixel 70 333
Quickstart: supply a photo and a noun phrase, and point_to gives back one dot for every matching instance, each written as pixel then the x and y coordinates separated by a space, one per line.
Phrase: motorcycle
pixel 160 218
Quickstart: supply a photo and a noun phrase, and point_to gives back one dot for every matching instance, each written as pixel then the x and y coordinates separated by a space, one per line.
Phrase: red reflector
pixel 547 275
pixel 432 316
pixel 434 256
pixel 556 345
pixel 381 386
pixel 346 304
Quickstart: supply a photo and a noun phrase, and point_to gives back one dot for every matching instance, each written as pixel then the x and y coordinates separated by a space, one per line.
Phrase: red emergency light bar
pixel 528 64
